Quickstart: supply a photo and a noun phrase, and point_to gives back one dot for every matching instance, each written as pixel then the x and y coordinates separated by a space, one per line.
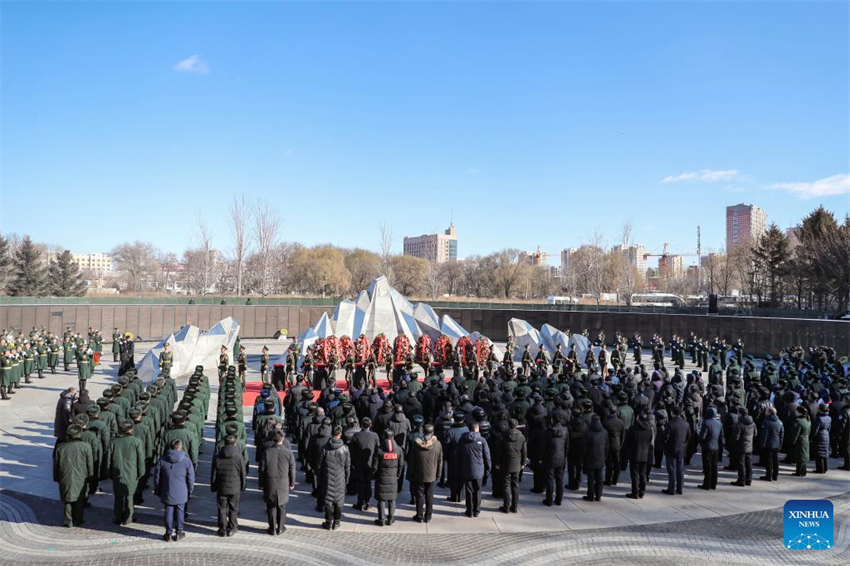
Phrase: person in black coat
pixel 596 451
pixel 638 448
pixel 616 430
pixel 334 470
pixel 711 439
pixel 821 426
pixel 744 437
pixel 64 413
pixel 387 468
pixel 228 482
pixel 556 443
pixel 575 454
pixel 363 446
pixel 772 439
pixel 678 434
pixel 277 478
pixel 512 455
pixel 473 456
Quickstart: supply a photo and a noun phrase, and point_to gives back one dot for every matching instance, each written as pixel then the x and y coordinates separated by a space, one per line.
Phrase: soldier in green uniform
pixel 242 360
pixel 264 365
pixel 116 344
pixel 526 361
pixel 17 367
pixel 166 358
pixel 5 374
pixel 126 462
pixel 101 430
pixel 29 361
pixel 83 365
pixel 143 432
pixel 179 431
pixel 223 362
pixel 92 438
pixel 53 355
pixel 637 345
pixel 68 347
pixel 41 352
pixel 108 416
pixel 73 465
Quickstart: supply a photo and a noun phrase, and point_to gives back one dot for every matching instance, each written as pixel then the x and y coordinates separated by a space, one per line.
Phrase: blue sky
pixel 531 123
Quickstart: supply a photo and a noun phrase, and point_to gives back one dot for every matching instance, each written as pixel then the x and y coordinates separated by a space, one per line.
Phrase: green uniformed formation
pixel 22 355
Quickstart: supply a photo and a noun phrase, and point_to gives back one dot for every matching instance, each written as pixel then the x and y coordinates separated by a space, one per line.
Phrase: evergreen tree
pixel 28 279
pixel 64 277
pixel 771 258
pixel 5 262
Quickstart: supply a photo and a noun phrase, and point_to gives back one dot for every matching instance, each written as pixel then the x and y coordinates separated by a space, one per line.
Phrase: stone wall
pixel 152 322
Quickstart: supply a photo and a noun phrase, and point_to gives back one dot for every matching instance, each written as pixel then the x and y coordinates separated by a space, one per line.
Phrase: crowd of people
pixel 567 423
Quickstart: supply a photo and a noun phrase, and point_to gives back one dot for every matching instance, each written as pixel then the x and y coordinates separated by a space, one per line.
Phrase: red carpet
pixel 253 389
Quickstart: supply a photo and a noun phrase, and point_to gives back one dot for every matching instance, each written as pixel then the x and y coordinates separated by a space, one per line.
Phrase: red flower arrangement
pixel 401 348
pixel 423 346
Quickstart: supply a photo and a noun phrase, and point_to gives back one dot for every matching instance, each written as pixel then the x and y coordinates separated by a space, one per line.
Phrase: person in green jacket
pixel 101 430
pixel 83 366
pixel 92 438
pixel 68 347
pixel 41 358
pixel 126 461
pixel 53 355
pixel 29 361
pixel 800 440
pixel 116 344
pixel 178 431
pixel 73 465
pixel 5 374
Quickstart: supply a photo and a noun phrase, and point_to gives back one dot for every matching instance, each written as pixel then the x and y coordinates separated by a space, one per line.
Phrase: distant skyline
pixel 529 124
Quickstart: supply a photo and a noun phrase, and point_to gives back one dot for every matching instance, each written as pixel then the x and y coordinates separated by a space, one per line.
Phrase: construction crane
pixel 665 255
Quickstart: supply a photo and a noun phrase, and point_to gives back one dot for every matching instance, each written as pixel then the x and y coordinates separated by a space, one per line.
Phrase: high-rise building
pixel 745 224
pixel 437 248
pixel 635 255
pixel 565 259
pixel 535 258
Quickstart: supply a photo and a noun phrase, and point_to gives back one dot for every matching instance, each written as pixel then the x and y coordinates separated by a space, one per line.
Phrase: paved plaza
pixel 730 525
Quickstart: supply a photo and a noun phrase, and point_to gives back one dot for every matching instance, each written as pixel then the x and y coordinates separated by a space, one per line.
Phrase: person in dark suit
pixel 556 443
pixel 596 451
pixel 512 454
pixel 228 482
pixel 277 479
pixel 676 441
pixel 638 448
pixel 711 439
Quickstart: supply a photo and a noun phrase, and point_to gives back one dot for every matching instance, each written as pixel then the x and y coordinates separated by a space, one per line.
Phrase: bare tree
pixel 451 274
pixel 434 279
pixel 138 263
pixel 596 264
pixel 628 271
pixel 266 230
pixel 204 259
pixel 364 266
pixel 507 272
pixel 387 251
pixel 411 274
pixel 240 213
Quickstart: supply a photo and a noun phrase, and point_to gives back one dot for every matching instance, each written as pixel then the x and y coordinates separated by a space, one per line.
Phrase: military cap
pixel 178 417
pixel 93 411
pixel 74 432
pixel 125 426
pixel 102 402
pixel 81 420
pixel 145 396
pixel 231 429
pixel 134 413
pixel 231 410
